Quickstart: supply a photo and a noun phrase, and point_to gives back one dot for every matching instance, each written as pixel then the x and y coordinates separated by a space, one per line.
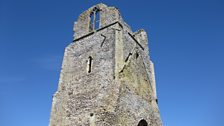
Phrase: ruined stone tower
pixel 107 77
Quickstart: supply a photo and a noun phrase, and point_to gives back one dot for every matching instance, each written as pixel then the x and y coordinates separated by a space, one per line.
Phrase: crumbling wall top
pixel 94 18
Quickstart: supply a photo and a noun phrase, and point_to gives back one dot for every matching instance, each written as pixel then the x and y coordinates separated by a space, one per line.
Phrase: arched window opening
pixel 89 64
pixel 94 19
pixel 142 123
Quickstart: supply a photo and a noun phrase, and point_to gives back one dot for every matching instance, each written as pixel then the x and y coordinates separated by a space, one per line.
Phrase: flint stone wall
pixel 119 90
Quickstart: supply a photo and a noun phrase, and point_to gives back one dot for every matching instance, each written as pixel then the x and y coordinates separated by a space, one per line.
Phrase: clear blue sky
pixel 186 42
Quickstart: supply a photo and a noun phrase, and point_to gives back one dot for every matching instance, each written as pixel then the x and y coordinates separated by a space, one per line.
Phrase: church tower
pixel 107 77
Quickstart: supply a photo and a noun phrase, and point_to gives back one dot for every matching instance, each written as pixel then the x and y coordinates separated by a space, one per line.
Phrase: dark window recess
pixel 142 123
pixel 89 64
pixel 137 55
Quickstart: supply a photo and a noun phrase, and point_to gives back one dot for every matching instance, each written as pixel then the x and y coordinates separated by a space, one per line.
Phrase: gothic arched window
pixel 94 19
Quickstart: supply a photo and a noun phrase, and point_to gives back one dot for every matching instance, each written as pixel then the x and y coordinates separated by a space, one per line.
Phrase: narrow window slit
pixel 89 64
pixel 137 55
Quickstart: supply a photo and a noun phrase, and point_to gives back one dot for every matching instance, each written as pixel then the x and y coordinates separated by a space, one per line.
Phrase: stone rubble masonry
pixel 107 77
